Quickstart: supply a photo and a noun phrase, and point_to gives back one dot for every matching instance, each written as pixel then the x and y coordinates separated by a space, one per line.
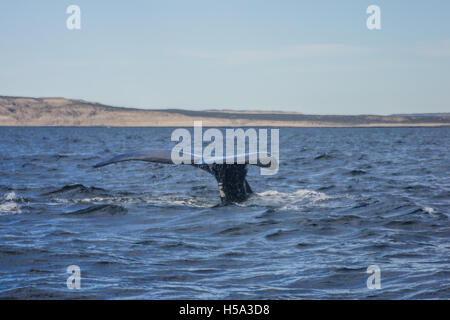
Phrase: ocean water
pixel 343 199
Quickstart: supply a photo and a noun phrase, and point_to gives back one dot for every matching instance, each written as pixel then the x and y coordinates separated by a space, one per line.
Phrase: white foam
pixel 10 207
pixel 160 200
pixel 288 201
pixel 271 198
pixel 9 203
pixel 10 196
pixel 428 209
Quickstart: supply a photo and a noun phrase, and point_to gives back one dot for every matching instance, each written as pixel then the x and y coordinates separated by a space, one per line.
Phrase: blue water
pixel 344 199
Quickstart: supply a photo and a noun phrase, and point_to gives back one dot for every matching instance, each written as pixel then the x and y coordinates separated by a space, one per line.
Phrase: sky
pixel 314 57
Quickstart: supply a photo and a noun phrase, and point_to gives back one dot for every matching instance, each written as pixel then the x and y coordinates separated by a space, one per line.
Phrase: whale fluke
pixel 159 156
pixel 229 172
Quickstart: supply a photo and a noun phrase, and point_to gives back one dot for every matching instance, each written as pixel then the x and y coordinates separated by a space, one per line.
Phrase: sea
pixel 353 213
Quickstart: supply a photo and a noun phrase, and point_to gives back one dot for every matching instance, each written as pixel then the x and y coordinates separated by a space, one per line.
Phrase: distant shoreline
pixel 61 112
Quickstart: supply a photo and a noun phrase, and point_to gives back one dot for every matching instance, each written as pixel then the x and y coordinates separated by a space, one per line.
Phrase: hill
pixel 25 111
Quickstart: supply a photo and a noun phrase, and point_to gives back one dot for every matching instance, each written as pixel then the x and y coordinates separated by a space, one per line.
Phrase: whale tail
pixel 233 187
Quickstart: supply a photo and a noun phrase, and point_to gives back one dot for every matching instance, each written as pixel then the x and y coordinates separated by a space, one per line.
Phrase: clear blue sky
pixel 307 56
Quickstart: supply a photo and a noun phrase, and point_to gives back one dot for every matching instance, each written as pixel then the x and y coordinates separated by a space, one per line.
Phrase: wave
pixel 10 203
pixel 75 189
pixel 100 209
pixel 324 156
pixel 357 172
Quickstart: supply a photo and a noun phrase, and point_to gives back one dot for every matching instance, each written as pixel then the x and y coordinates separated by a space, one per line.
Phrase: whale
pixel 229 172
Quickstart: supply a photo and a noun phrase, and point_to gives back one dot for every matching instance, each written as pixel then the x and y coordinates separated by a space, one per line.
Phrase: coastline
pixel 61 112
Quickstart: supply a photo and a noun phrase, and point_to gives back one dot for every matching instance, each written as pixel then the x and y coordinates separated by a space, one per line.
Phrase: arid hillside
pixel 23 111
